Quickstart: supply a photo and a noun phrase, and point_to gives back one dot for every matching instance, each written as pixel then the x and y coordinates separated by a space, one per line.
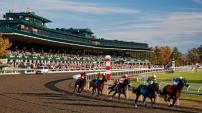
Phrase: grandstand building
pixel 29 32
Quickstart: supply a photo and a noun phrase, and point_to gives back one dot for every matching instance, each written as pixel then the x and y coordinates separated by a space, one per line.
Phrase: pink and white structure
pixel 108 67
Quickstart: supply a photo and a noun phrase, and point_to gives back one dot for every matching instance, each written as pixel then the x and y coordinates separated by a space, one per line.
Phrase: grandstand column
pixel 108 68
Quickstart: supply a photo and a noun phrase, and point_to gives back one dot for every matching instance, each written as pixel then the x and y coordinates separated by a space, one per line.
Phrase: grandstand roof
pixel 33 30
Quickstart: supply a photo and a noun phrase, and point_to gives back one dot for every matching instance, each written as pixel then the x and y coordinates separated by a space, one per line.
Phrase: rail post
pixel 201 102
pixel 107 89
pixel 178 101
pixel 127 95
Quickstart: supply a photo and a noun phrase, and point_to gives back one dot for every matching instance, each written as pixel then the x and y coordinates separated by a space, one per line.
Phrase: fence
pixel 33 71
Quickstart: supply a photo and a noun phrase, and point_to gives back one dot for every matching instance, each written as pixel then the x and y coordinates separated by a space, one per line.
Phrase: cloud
pixel 82 7
pixel 198 1
pixel 177 28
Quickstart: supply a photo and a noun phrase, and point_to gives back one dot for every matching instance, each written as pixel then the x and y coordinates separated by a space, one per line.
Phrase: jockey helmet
pixel 98 74
pixel 123 76
pixel 154 76
pixel 83 73
pixel 126 75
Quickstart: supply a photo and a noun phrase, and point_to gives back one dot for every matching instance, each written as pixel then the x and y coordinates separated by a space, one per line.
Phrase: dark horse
pixel 97 84
pixel 147 91
pixel 119 88
pixel 173 92
pixel 79 85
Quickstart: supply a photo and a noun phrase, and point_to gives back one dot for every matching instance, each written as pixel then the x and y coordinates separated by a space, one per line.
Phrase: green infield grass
pixel 194 78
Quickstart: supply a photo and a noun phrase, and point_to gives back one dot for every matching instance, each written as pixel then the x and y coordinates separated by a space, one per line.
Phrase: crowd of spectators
pixel 75 61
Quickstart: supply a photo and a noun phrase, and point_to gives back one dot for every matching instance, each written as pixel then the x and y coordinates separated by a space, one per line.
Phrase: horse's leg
pixel 92 91
pixel 169 103
pixel 137 96
pixel 165 98
pixel 74 89
pixel 114 94
pixel 110 91
pixel 119 95
pixel 82 88
pixel 152 101
pixel 174 100
pixel 100 91
pixel 124 93
pixel 144 101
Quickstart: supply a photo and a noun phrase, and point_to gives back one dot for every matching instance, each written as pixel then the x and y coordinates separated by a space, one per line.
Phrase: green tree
pixel 156 55
pixel 175 54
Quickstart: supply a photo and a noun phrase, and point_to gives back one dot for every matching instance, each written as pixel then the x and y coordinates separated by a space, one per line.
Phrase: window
pixel 10 18
pixel 26 18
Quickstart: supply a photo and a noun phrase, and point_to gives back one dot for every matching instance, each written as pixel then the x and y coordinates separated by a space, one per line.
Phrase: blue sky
pixel 156 22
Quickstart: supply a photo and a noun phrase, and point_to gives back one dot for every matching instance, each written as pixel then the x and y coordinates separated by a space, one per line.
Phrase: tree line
pixel 164 55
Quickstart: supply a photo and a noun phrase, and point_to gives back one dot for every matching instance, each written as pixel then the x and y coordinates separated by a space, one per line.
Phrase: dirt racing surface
pixel 52 93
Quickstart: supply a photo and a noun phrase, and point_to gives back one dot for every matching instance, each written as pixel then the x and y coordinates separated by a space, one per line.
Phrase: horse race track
pixel 52 93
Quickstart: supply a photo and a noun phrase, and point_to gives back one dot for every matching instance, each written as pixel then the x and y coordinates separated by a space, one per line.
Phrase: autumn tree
pixel 165 53
pixel 200 52
pixel 154 55
pixel 193 56
pixel 4 45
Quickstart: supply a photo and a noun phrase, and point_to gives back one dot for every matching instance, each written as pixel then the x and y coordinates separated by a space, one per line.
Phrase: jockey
pixel 98 78
pixel 122 79
pixel 176 80
pixel 83 75
pixel 101 76
pixel 151 80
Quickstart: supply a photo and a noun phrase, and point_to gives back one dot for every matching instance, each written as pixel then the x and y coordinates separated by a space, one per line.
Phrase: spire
pixel 28 9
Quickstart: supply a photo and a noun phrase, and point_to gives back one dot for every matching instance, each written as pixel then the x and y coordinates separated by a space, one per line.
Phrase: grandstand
pixel 33 44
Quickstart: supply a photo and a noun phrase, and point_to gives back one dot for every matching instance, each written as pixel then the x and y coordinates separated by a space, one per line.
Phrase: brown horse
pixel 173 92
pixel 119 88
pixel 79 85
pixel 97 84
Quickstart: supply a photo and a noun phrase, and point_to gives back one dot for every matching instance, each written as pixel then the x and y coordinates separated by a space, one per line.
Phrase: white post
pixel 107 89
pixel 127 94
pixel 178 101
pixel 201 102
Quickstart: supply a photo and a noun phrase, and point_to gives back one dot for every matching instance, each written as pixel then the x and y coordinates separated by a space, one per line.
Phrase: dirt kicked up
pixel 52 93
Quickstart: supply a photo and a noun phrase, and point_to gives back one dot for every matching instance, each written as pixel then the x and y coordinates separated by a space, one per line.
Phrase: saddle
pixel 143 89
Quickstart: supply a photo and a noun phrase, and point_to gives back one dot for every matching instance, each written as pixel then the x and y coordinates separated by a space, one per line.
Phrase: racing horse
pixel 97 84
pixel 79 85
pixel 147 91
pixel 119 88
pixel 173 92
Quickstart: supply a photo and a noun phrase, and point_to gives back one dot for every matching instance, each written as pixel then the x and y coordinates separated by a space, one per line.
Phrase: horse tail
pixel 161 92
pixel 90 84
pixel 134 90
pixel 110 87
